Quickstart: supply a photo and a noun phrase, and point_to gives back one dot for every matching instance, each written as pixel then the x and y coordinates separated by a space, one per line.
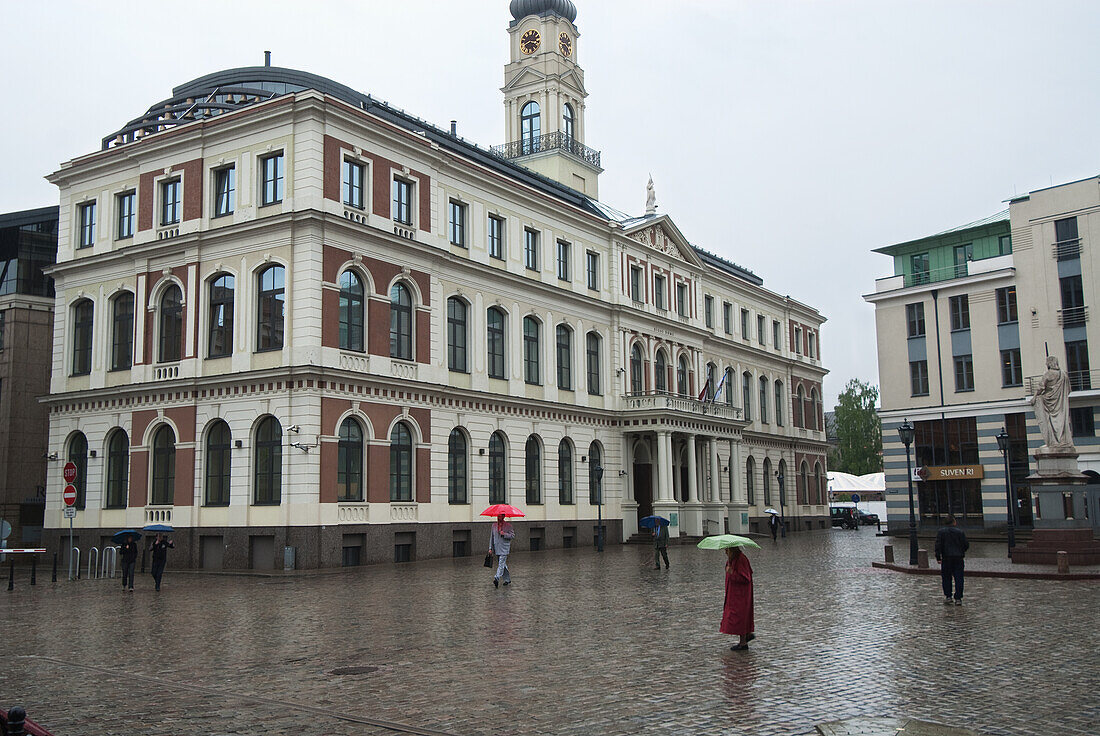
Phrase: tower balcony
pixel 547 143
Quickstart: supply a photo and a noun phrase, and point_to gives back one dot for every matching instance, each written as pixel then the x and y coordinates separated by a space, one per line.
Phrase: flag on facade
pixel 718 388
pixel 703 393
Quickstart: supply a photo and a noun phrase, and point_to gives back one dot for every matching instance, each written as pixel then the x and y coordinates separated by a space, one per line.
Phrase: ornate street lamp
pixel 1002 443
pixel 905 431
pixel 782 509
pixel 598 470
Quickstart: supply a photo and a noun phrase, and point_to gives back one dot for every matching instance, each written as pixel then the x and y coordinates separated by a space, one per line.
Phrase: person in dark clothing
pixel 127 555
pixel 660 545
pixel 773 524
pixel 160 557
pixel 951 546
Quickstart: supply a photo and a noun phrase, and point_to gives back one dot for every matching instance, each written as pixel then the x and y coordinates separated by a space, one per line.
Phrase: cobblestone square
pixel 580 643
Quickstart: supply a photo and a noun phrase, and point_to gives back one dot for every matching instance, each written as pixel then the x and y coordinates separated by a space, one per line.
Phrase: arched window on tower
pixel 530 128
pixel 567 120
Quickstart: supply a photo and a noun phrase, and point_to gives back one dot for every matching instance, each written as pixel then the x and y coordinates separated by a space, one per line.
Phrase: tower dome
pixel 523 8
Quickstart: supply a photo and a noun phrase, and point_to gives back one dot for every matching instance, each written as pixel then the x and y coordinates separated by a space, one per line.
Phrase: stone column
pixel 738 508
pixel 664 466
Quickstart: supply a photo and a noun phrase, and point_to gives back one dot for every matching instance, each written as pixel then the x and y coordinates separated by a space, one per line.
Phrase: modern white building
pixel 289 315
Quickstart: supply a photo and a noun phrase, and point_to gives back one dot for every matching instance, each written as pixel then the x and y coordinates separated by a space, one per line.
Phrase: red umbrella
pixel 501 508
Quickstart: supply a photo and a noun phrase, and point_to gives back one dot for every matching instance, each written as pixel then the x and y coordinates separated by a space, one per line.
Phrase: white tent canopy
pixel 847 483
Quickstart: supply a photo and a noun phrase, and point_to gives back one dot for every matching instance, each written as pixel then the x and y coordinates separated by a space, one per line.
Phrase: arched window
pixel 532 454
pixel 219 444
pixel 804 481
pixel 729 383
pixel 819 491
pixel 799 404
pixel 401 327
pixel 746 395
pixel 595 460
pixel 351 312
pixel 636 386
pixel 118 469
pixel 565 357
pixel 530 128
pixel 268 478
pixel 164 467
pixel 567 120
pixel 349 470
pixel 750 471
pixel 531 371
pixel 78 456
pixel 682 376
pixel 763 399
pixel 456 467
pixel 272 300
pixel 401 463
pixel 767 482
pixel 811 420
pixel 83 316
pixel 495 343
pixel 220 342
pixel 592 360
pixel 660 373
pixel 457 335
pixel 122 332
pixel 498 470
pixel 565 473
pixel 779 412
pixel 171 324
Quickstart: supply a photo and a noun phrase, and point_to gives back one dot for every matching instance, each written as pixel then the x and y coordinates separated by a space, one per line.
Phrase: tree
pixel 858 430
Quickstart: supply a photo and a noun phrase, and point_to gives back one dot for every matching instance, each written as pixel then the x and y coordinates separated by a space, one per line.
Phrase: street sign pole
pixel 69 473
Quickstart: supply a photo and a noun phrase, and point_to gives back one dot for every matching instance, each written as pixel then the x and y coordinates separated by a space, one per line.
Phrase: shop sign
pixel 955 472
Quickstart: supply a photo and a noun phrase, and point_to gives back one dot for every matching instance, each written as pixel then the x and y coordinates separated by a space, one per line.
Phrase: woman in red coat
pixel 737 613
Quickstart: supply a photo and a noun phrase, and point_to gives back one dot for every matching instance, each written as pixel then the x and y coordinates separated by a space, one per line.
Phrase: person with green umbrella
pixel 737 612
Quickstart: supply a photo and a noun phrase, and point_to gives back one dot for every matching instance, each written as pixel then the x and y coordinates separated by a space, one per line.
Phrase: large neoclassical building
pixel 291 316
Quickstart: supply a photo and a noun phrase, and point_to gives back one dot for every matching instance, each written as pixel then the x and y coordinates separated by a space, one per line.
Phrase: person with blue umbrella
pixel 160 551
pixel 127 555
pixel 659 525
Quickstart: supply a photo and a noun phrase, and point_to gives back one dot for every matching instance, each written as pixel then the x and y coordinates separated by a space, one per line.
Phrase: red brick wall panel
pixel 145 201
pixel 192 189
pixel 139 478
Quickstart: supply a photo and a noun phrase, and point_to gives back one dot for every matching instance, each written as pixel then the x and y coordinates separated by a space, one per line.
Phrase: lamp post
pixel 598 471
pixel 782 507
pixel 905 431
pixel 1002 444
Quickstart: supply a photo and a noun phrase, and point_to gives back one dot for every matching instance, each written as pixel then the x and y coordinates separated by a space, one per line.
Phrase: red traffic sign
pixel 70 472
pixel 69 496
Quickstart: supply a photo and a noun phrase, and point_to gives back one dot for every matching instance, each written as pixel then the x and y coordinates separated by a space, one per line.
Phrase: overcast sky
pixel 789 136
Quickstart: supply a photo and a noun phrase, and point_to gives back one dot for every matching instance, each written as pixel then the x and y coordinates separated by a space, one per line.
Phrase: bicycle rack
pixel 93 563
pixel 74 557
pixel 109 563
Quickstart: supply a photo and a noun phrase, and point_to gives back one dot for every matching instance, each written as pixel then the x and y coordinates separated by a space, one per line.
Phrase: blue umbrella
pixel 651 522
pixel 157 528
pixel 121 535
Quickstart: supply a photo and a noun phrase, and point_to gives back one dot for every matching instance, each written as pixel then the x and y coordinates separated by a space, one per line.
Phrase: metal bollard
pixel 1063 563
pixel 17 719
pixel 922 559
pixel 11 576
pixel 889 553
pixel 34 565
pixel 54 578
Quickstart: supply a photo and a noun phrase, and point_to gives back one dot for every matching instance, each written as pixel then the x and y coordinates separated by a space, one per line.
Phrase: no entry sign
pixel 69 496
pixel 70 472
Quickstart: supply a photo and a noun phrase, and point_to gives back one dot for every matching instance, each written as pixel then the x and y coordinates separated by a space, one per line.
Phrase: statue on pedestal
pixel 650 198
pixel 1051 402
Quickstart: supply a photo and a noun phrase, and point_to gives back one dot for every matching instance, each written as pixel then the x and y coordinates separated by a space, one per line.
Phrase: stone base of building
pixel 348 545
pixel 1078 544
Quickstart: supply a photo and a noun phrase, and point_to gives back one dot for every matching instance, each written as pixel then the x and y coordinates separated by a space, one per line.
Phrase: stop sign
pixel 69 496
pixel 70 472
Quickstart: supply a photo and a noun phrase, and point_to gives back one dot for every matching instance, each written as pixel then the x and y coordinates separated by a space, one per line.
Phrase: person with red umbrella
pixel 500 539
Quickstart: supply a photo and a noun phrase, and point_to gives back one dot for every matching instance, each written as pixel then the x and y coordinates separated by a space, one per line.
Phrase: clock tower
pixel 544 96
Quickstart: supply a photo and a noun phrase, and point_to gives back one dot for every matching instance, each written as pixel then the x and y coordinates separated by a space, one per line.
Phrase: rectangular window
pixel 918 268
pixel 681 300
pixel 963 255
pixel 727 318
pixel 125 207
pixel 761 329
pixel 565 358
pixel 813 345
pixel 458 223
pixel 798 340
pixel 777 335
pixel 914 318
pixel 225 191
pixel 352 185
pixel 1073 301
pixel 1011 368
pixel 563 260
pixel 636 283
pixel 271 180
pixel 708 310
pixel 86 238
pixel 530 249
pixel 964 373
pixel 1065 231
pixel 1077 365
pixel 659 293
pixel 1082 421
pixel 1006 305
pixel 960 312
pixel 496 237
pixel 1004 245
pixel 592 363
pixel 918 377
pixel 745 324
pixel 170 202
pixel 402 201
pixel 592 270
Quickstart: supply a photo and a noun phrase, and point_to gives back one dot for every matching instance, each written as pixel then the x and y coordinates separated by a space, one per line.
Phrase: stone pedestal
pixel 1061 525
pixel 691 519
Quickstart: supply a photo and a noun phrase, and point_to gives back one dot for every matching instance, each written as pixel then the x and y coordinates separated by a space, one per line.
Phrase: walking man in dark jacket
pixel 127 555
pixel 951 546
pixel 160 557
pixel 660 545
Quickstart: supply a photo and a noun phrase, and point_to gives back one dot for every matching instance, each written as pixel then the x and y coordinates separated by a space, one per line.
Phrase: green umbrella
pixel 722 541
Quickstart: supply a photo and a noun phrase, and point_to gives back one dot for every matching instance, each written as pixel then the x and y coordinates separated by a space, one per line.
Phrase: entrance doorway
pixel 643 489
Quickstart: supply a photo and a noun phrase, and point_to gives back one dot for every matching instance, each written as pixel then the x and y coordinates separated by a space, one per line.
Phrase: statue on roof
pixel 650 198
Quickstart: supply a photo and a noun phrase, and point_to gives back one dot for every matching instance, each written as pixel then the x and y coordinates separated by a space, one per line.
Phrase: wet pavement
pixel 579 644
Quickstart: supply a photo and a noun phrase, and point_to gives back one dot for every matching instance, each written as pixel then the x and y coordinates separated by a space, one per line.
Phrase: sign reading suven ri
pixel 955 472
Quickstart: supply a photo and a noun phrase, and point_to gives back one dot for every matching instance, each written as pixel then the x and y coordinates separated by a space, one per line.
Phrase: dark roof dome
pixel 523 8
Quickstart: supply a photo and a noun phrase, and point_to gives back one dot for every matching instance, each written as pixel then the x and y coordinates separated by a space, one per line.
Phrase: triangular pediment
pixel 572 79
pixel 660 233
pixel 526 76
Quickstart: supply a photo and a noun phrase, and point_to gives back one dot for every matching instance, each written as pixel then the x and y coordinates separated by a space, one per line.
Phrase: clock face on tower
pixel 530 41
pixel 565 44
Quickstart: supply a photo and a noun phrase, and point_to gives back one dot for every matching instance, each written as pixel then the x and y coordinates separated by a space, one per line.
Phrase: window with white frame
pixel 354 175
pixel 496 237
pixel 225 191
pixel 124 207
pixel 592 269
pixel 86 235
pixel 170 202
pixel 564 250
pixel 402 201
pixel 457 222
pixel 531 249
